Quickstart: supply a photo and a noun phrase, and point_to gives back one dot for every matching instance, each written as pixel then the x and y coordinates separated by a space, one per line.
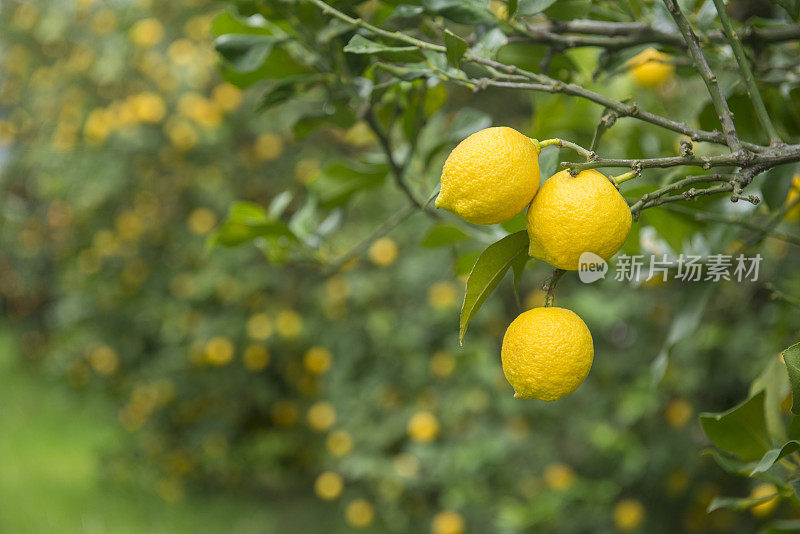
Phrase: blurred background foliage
pixel 288 369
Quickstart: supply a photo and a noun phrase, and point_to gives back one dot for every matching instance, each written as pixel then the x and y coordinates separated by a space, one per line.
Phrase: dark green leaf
pixel 335 185
pixel 775 185
pixel 247 221
pixel 470 12
pixel 488 45
pixel 456 46
pixel 791 6
pixel 244 52
pixel 487 272
pixel 404 54
pixel 742 430
pixel 772 456
pixel 791 357
pixel 775 384
pixel 513 5
pixel 443 234
pixel 568 9
pixel 729 464
pixel 736 504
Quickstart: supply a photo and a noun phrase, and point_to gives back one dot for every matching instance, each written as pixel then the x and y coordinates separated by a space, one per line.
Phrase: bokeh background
pixel 151 380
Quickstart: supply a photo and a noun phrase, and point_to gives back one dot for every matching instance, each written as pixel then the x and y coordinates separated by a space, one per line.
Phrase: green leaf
pixel 737 504
pixel 791 357
pixel 518 266
pixel 488 45
pixel 772 456
pixel 742 430
pixel 336 184
pixel 729 464
pixel 776 184
pixel 513 5
pixel 792 7
pixel 775 384
pixel 456 46
pixel 247 221
pixel 470 12
pixel 404 54
pixel 244 52
pixel 463 264
pixel 532 7
pixel 443 234
pixel 492 265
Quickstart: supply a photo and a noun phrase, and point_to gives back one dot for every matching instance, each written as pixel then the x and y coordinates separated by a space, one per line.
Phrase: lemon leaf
pixel 773 455
pixel 456 46
pixel 361 45
pixel 489 269
pixel 742 430
pixel 443 234
pixel 791 358
pixel 737 504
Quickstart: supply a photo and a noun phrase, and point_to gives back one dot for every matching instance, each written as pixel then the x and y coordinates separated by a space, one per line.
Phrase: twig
pixel 607 120
pixel 692 193
pixel 550 287
pixel 561 143
pixel 541 82
pixel 776 294
pixel 747 73
pixel 675 186
pixel 709 78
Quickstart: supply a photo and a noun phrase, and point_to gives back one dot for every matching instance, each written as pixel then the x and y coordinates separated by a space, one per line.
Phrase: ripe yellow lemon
pixel 765 508
pixel 794 213
pixel 651 68
pixel 571 215
pixel 628 515
pixel 490 176
pixel 546 353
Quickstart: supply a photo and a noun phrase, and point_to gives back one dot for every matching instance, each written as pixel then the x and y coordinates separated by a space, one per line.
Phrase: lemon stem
pixel 624 177
pixel 560 143
pixel 550 287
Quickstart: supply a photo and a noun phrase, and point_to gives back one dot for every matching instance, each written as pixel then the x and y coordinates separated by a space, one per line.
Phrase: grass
pixel 51 480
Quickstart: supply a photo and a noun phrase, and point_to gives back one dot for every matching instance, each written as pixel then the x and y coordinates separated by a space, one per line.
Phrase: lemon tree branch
pixel 709 78
pixel 747 73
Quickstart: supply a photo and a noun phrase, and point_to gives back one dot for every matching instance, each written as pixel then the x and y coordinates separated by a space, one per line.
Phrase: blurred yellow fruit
pixel 25 16
pixel 490 176
pixel 442 364
pixel 259 326
pixel 227 96
pixel 201 221
pixel 628 515
pixel 442 295
pixel 321 416
pixel 336 288
pixel 98 125
pixel 559 476
pixel 383 252
pixel 104 360
pixel 129 226
pixel 219 351
pixel 147 32
pixel 289 324
pixel 181 134
pixel 678 413
pixel 328 486
pixel 268 147
pixel 406 465
pixel 104 22
pixel 423 427
pixel 284 413
pixel 306 170
pixel 200 109
pixel 255 357
pixel 317 360
pixel 546 353
pixel 359 513
pixel 571 215
pixel 182 52
pixel 198 27
pixel 794 213
pixel 8 132
pixel 767 507
pixel 447 522
pixel 339 443
pixel 149 107
pixel 651 68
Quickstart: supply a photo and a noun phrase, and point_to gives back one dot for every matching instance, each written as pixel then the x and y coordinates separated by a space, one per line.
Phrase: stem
pixel 686 195
pixel 625 177
pixel 560 143
pixel 550 287
pixel 709 78
pixel 776 294
pixel 747 73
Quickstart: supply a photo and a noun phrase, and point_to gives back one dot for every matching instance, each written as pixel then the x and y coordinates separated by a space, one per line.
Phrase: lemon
pixel 328 485
pixel 546 353
pixel 339 443
pixel 383 252
pixel 423 427
pixel 559 476
pixel 571 215
pixel 628 515
pixel 651 68
pixel 359 513
pixel 490 176
pixel 794 213
pixel 765 508
pixel 104 360
pixel 678 413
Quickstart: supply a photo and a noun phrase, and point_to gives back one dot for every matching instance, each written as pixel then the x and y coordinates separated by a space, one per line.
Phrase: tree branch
pixel 709 78
pixel 747 74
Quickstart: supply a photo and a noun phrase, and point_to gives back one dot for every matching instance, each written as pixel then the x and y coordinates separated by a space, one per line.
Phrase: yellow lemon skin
pixel 575 214
pixel 546 353
pixel 794 213
pixel 490 176
pixel 767 507
pixel 651 68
